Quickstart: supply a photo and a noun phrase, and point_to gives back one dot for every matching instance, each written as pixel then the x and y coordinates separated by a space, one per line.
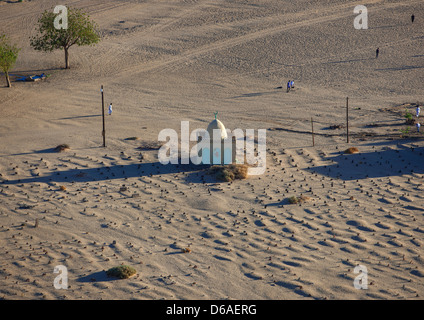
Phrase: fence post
pixel 347 118
pixel 103 117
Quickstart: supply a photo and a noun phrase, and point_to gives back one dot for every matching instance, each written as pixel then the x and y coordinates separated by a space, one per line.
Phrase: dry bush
pixel 351 150
pixel 121 272
pixel 62 147
pixel 301 199
pixel 229 172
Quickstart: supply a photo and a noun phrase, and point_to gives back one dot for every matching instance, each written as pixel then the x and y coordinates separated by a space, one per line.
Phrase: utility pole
pixel 347 118
pixel 103 117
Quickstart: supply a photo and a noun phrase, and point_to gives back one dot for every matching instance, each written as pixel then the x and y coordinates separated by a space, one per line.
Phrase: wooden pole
pixel 313 135
pixel 347 119
pixel 103 117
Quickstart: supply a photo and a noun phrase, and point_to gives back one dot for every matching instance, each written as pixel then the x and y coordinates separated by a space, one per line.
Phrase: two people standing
pixel 290 85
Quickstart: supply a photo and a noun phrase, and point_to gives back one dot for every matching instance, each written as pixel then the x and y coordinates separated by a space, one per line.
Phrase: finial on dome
pixel 215 113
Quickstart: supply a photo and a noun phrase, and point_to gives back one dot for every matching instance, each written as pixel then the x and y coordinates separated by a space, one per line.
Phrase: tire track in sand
pixel 165 65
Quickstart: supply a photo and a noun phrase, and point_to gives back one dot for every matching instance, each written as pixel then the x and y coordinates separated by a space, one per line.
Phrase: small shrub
pixel 225 175
pixel 351 150
pixel 301 199
pixel 62 147
pixel 409 118
pixel 293 200
pixel 404 132
pixel 229 172
pixel 121 272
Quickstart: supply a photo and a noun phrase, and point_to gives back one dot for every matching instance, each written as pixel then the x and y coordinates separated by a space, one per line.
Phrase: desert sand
pixel 188 235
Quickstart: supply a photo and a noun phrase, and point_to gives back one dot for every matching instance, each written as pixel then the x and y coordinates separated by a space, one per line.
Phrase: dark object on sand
pixel 32 78
pixel 26 206
pixel 412 18
pixel 377 52
pixel 146 145
pixel 62 147
pixel 336 126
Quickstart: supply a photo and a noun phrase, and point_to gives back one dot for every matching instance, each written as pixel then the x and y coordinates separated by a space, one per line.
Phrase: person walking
pixel 418 111
pixel 110 109
pixel 288 86
pixel 412 18
pixel 377 52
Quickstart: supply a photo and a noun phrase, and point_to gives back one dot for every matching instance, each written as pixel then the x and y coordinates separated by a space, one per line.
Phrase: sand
pixel 188 235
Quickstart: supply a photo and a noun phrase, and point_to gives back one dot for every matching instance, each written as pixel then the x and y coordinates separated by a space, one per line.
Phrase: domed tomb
pixel 216 124
pixel 222 153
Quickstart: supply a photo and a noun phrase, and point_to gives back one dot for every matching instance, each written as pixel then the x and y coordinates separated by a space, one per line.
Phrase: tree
pixel 8 56
pixel 80 30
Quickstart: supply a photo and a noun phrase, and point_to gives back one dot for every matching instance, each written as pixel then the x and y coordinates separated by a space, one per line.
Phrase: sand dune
pixel 188 235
